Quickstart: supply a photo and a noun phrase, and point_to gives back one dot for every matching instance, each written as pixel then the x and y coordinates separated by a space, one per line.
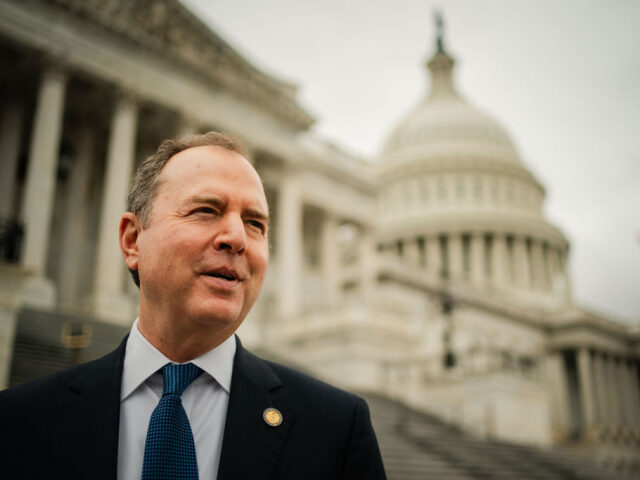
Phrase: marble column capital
pixel 54 66
pixel 126 95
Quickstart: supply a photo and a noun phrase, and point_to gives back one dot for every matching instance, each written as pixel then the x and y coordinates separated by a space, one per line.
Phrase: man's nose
pixel 231 235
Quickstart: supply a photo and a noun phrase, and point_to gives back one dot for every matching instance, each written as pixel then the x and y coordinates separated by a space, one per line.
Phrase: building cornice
pixel 168 29
pixel 507 223
pixel 455 163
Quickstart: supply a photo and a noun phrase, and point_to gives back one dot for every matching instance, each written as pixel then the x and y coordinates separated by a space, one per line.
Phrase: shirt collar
pixel 142 360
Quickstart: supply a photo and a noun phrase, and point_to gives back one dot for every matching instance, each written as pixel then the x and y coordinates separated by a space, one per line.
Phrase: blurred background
pixel 453 189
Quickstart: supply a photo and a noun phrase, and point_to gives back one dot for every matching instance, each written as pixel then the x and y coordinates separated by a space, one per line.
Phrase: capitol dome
pixel 455 199
pixel 446 124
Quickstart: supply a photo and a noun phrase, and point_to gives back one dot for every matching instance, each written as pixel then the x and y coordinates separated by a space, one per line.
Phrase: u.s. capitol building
pixel 428 276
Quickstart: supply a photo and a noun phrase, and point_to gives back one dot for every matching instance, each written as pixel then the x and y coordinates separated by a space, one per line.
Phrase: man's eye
pixel 257 224
pixel 205 210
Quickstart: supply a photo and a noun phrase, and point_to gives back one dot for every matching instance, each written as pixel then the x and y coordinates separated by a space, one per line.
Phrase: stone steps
pixel 39 350
pixel 416 445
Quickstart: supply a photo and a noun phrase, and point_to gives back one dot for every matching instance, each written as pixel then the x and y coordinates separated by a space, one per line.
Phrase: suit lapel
pixel 84 425
pixel 250 447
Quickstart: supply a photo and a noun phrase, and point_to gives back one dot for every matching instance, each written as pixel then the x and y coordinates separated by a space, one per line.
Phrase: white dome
pixel 455 200
pixel 445 125
pixel 449 167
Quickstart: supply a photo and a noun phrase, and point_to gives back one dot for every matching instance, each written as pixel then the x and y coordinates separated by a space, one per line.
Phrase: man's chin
pixel 219 315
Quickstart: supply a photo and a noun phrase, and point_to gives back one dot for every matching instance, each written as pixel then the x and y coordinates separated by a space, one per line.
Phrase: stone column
pixel 455 255
pixel 434 258
pixel 521 259
pixel 602 395
pixel 628 410
pixel 549 267
pixel 412 253
pixel 620 393
pixel 499 259
pixel 367 263
pixel 330 259
pixel 565 273
pixel 634 388
pixel 110 302
pixel 585 373
pixel 289 225
pixel 477 257
pixel 75 233
pixel 10 135
pixel 553 266
pixel 560 400
pixel 39 191
pixel 612 390
pixel 560 278
pixel 538 265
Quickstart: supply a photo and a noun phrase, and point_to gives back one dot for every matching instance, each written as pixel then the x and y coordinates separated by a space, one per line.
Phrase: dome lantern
pixel 441 66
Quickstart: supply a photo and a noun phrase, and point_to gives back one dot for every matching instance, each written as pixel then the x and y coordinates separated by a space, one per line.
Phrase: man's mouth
pixel 220 275
pixel 224 273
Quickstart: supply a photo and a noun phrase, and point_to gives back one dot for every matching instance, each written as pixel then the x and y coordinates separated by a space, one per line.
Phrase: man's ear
pixel 130 229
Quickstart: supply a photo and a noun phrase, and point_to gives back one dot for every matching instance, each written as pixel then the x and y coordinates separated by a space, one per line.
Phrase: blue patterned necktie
pixel 169 453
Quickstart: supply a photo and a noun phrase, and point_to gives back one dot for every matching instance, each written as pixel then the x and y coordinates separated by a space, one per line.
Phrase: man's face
pixel 203 253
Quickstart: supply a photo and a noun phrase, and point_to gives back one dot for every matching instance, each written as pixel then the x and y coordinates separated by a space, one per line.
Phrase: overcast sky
pixel 562 77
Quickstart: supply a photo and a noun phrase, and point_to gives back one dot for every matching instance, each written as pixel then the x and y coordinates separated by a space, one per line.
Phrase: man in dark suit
pixel 195 241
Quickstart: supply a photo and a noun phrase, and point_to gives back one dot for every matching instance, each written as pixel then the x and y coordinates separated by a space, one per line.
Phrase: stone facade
pixel 430 276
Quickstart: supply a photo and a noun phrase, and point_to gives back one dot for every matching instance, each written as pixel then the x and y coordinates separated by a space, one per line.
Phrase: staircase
pixel 416 446
pixel 39 348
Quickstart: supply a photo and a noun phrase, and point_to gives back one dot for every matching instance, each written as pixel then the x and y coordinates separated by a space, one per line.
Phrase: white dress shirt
pixel 205 402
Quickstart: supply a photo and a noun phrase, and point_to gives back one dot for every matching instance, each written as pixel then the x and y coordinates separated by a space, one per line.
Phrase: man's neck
pixel 180 345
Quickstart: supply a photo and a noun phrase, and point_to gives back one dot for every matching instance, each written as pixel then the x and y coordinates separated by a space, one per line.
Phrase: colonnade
pixel 89 220
pixel 37 205
pixel 598 392
pixel 503 259
pixel 292 240
pixel 609 390
pixel 60 234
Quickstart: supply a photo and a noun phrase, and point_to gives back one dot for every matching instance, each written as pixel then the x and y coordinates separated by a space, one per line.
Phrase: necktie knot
pixel 177 378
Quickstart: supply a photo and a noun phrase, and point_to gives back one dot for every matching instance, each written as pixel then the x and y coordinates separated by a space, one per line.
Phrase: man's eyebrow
pixel 257 214
pixel 215 201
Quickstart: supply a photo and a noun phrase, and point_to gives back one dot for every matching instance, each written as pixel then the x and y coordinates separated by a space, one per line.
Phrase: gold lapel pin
pixel 272 417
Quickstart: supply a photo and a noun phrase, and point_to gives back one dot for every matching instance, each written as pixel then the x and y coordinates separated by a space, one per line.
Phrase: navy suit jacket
pixel 66 425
